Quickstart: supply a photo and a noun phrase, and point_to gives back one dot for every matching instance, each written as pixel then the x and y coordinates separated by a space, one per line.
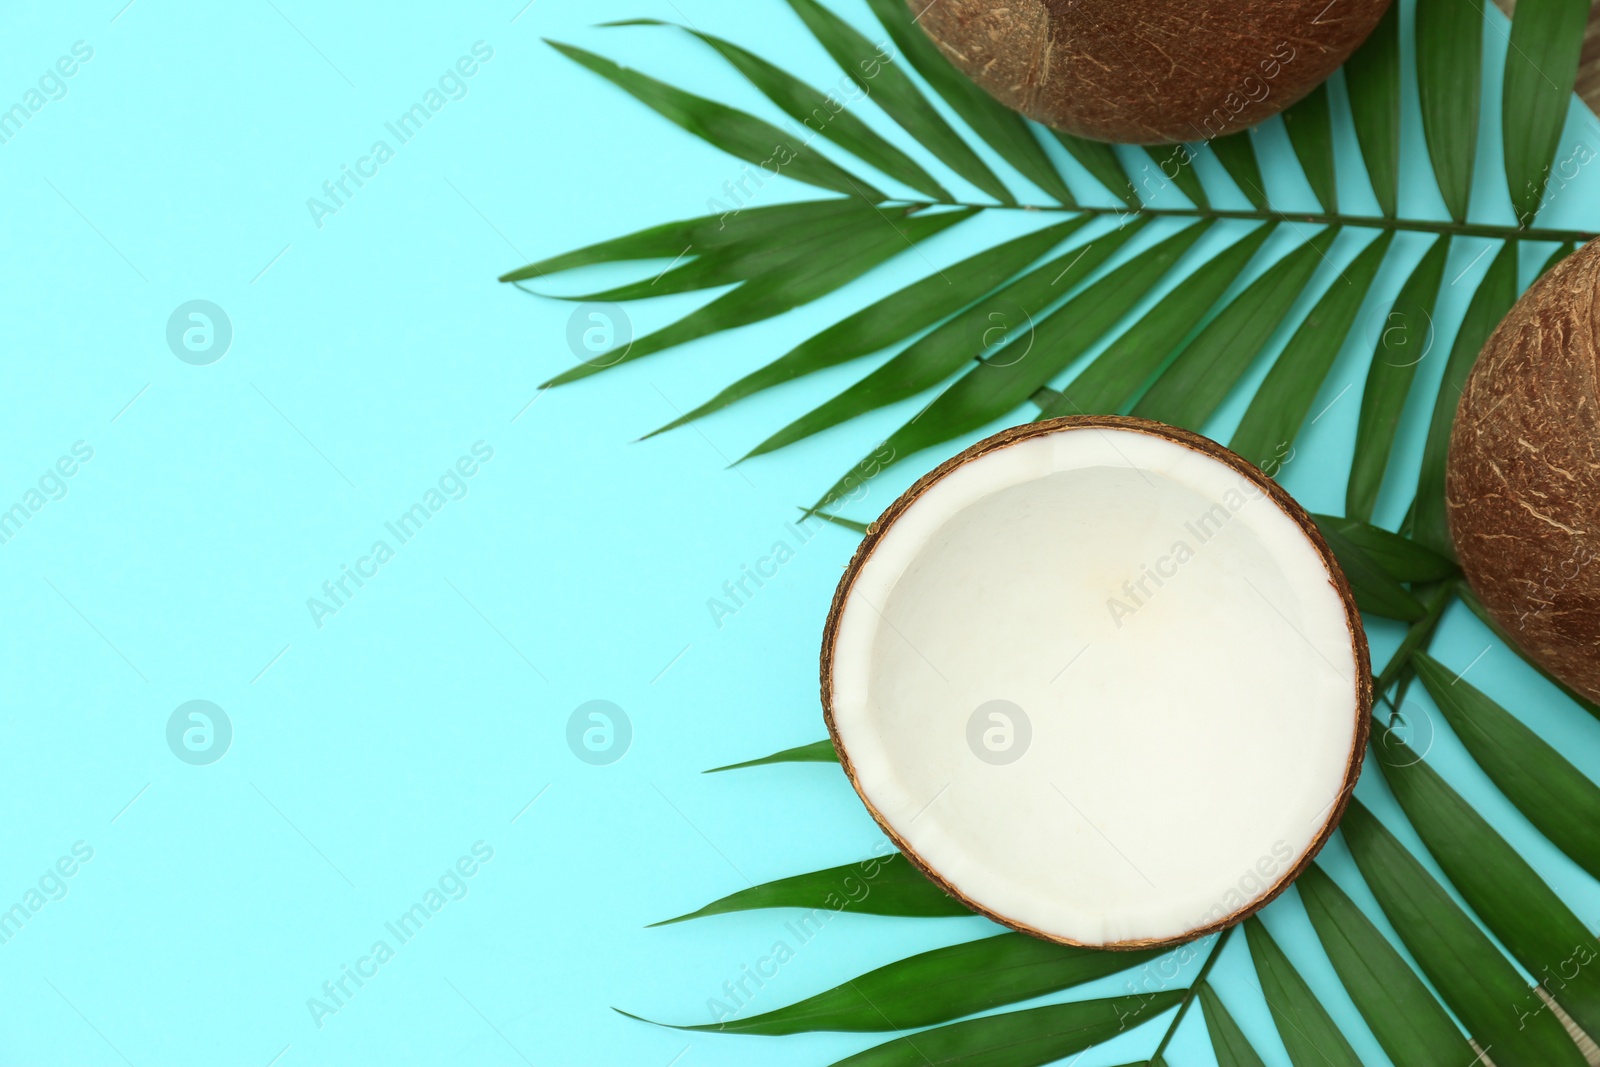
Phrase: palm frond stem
pixel 1373 222
pixel 1194 988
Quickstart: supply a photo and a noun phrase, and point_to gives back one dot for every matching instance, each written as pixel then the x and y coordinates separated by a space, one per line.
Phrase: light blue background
pixel 368 354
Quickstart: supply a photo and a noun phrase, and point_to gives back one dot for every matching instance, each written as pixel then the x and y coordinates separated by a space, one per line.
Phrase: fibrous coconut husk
pixel 1155 72
pixel 1523 477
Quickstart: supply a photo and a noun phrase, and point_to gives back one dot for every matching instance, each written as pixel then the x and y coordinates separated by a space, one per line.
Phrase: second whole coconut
pixel 1155 72
pixel 1523 476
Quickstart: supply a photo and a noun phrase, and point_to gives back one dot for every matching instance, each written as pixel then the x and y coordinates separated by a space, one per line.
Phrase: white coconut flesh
pixel 1100 684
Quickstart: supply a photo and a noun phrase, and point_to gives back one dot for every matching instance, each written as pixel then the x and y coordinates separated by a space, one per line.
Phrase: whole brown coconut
pixel 1523 479
pixel 1151 72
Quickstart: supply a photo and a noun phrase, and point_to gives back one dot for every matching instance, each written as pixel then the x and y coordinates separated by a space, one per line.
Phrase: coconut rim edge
pixel 1280 498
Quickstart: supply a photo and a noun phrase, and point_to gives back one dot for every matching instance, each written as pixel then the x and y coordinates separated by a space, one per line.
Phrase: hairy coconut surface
pixel 1101 679
pixel 1152 72
pixel 1523 476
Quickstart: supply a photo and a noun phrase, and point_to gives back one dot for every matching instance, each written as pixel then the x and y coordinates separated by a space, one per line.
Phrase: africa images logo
pixel 199 732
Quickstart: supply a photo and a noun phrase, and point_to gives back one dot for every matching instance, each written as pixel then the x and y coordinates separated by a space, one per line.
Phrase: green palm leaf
pixel 1372 79
pixel 1375 588
pixel 998 384
pixel 886 885
pixel 735 132
pixel 824 263
pixel 817 112
pixel 876 75
pixel 1237 154
pixel 1281 405
pixel 1473 978
pixel 733 262
pixel 1206 370
pixel 1309 1033
pixel 1402 559
pixel 1019 1038
pixel 753 227
pixel 816 752
pixel 1554 795
pixel 945 350
pixel 896 316
pixel 1515 904
pixel 937 986
pixel 1402 343
pixel 1176 165
pixel 1125 365
pixel 1541 67
pixel 1435 599
pixel 1101 161
pixel 1227 1040
pixel 1449 62
pixel 1561 252
pixel 1310 126
pixel 1408 1021
pixel 1005 131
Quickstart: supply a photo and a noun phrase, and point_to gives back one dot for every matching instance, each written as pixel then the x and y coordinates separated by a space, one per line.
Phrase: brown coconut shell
pixel 1523 476
pixel 1153 72
pixel 1205 446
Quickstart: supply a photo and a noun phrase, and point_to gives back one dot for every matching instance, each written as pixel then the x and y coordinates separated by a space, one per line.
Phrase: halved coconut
pixel 1101 679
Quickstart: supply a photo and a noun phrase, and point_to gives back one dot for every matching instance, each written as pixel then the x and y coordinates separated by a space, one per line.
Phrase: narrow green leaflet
pixel 1490 303
pixel 838 520
pixel 1405 1017
pixel 1372 82
pixel 1227 1040
pixel 1175 164
pixel 1007 378
pixel 1476 982
pixel 1284 399
pixel 1205 372
pixel 753 226
pixel 1449 55
pixel 943 351
pixel 735 132
pixel 1007 132
pixel 1505 891
pixel 1435 599
pixel 1044 397
pixel 735 262
pixel 1126 364
pixel 1309 1033
pixel 897 316
pixel 1403 342
pixel 944 984
pixel 1554 795
pixel 820 113
pixel 877 75
pixel 1402 559
pixel 1470 599
pixel 1019 1038
pixel 830 260
pixel 1237 154
pixel 1561 252
pixel 886 885
pixel 816 752
pixel 1541 68
pixel 1376 591
pixel 1310 126
pixel 1101 161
